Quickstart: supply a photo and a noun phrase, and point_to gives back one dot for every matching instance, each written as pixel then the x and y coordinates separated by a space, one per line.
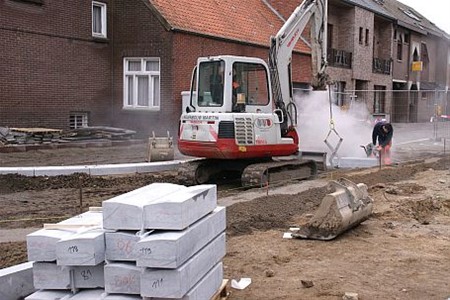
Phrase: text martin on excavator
pixel 242 117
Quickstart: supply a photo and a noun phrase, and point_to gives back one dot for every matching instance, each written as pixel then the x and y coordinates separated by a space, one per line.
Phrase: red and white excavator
pixel 242 116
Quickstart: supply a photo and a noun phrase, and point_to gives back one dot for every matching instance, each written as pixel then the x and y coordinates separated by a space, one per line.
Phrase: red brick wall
pixel 54 66
pixel 138 33
pixel 51 65
pixel 187 48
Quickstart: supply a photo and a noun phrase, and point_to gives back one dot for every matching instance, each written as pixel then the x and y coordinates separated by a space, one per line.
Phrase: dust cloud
pixel 352 125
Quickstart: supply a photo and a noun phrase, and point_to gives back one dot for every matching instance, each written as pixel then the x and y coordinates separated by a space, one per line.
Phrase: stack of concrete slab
pixel 161 241
pixel 173 246
pixel 70 254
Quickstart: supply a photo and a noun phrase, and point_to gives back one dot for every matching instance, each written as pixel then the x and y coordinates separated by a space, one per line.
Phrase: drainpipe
pixel 112 64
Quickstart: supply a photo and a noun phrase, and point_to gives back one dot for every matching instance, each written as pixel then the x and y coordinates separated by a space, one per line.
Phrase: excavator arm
pixel 280 55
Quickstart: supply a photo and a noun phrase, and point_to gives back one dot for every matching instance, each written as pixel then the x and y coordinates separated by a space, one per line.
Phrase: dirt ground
pixel 401 252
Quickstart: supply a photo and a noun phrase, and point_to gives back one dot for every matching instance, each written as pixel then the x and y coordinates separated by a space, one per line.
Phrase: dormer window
pixel 411 14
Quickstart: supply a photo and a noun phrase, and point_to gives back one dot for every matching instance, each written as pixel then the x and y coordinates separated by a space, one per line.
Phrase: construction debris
pixel 33 136
pixel 98 132
pixel 13 136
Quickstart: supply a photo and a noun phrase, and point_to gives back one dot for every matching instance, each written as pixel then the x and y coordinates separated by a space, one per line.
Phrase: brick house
pixel 53 67
pixel 124 63
pixel 121 63
pixel 359 54
pixel 417 93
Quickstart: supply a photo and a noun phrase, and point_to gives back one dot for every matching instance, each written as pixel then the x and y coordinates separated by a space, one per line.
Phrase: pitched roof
pixel 249 21
pixel 410 18
pixel 371 5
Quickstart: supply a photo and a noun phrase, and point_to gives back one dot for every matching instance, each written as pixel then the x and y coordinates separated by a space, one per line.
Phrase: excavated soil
pixel 401 252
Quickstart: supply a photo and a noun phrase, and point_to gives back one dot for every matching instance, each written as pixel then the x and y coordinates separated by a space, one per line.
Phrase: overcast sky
pixel 437 11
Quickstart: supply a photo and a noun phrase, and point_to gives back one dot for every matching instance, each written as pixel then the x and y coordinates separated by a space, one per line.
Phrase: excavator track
pixel 207 170
pixel 252 174
pixel 262 174
pixel 187 172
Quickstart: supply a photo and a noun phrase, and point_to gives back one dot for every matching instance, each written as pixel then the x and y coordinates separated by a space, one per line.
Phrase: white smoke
pixel 352 125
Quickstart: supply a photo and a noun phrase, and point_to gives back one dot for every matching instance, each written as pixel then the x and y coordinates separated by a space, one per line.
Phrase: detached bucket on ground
pixel 345 208
pixel 160 148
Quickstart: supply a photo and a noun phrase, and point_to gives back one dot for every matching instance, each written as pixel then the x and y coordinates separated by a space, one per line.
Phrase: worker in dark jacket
pixel 383 132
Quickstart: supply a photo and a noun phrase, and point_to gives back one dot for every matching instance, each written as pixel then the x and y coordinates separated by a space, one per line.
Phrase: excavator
pixel 242 117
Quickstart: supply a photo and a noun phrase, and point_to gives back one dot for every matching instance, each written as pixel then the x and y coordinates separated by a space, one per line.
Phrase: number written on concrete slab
pixel 145 251
pixel 72 249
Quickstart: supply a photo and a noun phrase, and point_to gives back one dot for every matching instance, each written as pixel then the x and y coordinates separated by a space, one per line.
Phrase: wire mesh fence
pixel 400 106
pixel 421 119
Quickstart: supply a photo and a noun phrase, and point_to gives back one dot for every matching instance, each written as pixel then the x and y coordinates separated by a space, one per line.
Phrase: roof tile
pixel 249 21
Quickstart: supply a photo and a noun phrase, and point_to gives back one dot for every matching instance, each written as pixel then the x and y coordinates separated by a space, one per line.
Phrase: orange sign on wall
pixel 417 66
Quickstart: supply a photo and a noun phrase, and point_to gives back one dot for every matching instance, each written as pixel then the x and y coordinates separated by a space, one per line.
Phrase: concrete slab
pixel 125 212
pixel 113 169
pixel 158 166
pixel 206 287
pixel 16 281
pixel 26 171
pixel 41 244
pixel 51 276
pixel 121 297
pixel 50 295
pixel 100 294
pixel 356 162
pixel 170 249
pixel 179 210
pixel 60 170
pixel 86 219
pixel 122 278
pixel 81 249
pixel 175 283
pixel 120 245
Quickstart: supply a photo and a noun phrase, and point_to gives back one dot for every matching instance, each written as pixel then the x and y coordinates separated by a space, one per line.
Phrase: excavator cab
pixel 231 114
pixel 231 84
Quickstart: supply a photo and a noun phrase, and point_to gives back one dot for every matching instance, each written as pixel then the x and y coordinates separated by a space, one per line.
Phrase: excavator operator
pixel 237 89
pixel 383 132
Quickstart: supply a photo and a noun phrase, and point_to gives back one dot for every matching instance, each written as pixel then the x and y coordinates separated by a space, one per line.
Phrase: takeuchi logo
pixel 263 123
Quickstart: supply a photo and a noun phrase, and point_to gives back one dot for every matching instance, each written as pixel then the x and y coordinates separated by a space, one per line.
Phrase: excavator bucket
pixel 346 207
pixel 160 148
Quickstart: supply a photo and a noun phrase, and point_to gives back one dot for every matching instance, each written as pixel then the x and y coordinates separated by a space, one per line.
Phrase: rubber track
pixel 187 172
pixel 253 175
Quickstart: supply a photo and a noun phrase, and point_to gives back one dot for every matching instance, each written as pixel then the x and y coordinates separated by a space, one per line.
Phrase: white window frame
pixel 78 118
pixel 103 32
pixel 154 100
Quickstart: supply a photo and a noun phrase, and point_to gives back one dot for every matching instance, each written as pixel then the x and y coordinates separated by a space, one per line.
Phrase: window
pixel 399 49
pixel 361 35
pixel 415 55
pixel 406 38
pixel 99 19
pixel 211 79
pixel 141 83
pixel 367 37
pixel 411 14
pixel 330 36
pixel 379 98
pixel 424 52
pixel 78 120
pixel 253 83
pixel 339 87
pixel 424 57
